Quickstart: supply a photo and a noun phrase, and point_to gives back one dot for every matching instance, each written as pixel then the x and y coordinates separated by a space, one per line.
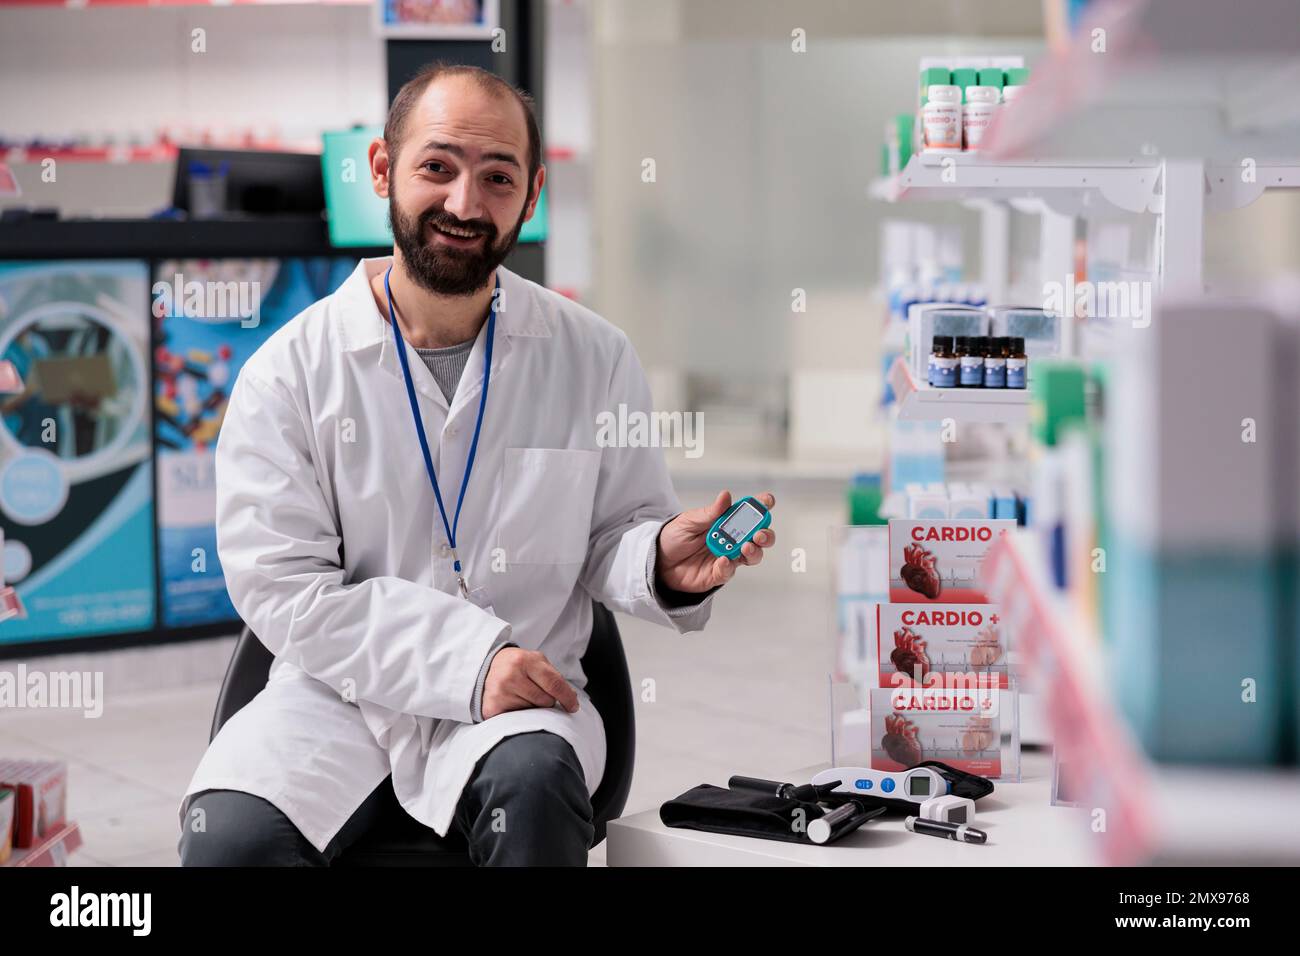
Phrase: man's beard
pixel 442 269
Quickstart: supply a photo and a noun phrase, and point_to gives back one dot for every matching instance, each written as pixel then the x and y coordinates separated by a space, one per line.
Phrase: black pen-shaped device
pixel 959 832
pixel 786 791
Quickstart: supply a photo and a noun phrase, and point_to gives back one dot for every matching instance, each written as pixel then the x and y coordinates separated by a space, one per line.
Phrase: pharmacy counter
pixel 1023 829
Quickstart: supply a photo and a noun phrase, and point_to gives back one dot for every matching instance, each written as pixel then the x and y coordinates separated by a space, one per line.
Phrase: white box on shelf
pixel 927 503
pixel 928 319
pixel 964 501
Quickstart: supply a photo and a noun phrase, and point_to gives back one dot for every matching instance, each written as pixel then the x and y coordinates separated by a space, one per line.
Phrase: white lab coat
pixel 335 554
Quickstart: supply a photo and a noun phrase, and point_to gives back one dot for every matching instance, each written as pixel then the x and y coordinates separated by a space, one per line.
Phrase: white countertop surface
pixel 1022 826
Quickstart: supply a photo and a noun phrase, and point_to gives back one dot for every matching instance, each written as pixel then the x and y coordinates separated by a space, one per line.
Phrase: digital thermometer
pixel 738 524
pixel 916 785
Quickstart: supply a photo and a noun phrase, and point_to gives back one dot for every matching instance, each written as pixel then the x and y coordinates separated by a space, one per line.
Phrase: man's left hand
pixel 684 561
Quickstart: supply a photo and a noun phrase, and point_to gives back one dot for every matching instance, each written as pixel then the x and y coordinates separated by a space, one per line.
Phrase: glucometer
pixel 738 524
pixel 917 785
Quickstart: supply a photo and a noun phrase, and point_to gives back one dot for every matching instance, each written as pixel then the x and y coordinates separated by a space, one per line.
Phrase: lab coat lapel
pixel 420 375
pixel 464 403
pixel 517 316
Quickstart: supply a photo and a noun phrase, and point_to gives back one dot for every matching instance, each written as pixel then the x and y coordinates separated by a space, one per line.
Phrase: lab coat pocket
pixel 548 494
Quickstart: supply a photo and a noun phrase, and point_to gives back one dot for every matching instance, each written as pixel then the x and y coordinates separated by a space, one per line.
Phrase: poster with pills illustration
pixel 961 728
pixel 209 317
pixel 76 478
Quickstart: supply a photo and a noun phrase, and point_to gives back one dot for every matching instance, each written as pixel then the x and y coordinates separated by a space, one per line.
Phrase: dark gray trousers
pixel 526 804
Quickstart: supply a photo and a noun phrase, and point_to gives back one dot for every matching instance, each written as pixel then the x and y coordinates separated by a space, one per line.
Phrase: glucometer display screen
pixel 742 521
pixel 919 786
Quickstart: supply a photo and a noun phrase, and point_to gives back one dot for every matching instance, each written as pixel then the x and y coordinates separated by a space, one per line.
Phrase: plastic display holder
pixel 857 740
pixel 860 573
pixel 1064 793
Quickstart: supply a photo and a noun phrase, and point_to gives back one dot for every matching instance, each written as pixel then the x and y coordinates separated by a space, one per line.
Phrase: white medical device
pixel 949 809
pixel 916 785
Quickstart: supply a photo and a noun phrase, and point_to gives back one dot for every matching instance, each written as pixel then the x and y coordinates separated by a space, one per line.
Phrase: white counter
pixel 1023 829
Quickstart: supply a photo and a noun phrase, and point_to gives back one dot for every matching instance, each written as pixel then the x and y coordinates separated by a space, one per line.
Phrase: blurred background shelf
pixel 922 403
pixel 1154 813
pixel 1154 77
pixel 1067 187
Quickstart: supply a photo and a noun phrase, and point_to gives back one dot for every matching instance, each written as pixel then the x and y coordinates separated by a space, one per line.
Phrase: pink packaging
pixel 6 823
pixel 941 645
pixel 40 797
pixel 961 728
pixel 938 561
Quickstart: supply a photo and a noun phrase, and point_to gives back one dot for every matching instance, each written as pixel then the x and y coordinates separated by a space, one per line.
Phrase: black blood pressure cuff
pixel 960 784
pixel 749 813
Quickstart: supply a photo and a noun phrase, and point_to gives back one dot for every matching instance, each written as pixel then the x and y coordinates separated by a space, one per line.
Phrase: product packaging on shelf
pixel 960 73
pixel 1002 503
pixel 1195 544
pixel 916 454
pixel 1013 83
pixel 959 500
pixel 968 501
pixel 960 727
pixel 1040 329
pixel 939 561
pixel 981 105
pixel 6 823
pixel 928 319
pixel 941 120
pixel 40 797
pixel 941 645
pixel 928 502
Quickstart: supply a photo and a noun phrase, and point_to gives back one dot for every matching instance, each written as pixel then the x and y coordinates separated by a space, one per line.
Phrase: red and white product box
pixel 6 823
pixel 40 797
pixel 938 561
pixel 957 727
pixel 941 645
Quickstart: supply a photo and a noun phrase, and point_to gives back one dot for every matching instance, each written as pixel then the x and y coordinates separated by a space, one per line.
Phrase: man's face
pixel 458 191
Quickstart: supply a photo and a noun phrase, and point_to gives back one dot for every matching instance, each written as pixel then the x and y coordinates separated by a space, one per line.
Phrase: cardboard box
pixel 958 727
pixel 40 797
pixel 6 823
pixel 941 645
pixel 939 561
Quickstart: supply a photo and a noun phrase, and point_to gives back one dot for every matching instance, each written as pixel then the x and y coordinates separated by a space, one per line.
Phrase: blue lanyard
pixel 419 421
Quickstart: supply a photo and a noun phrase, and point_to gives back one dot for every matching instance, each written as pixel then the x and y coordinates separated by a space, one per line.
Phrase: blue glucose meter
pixel 746 518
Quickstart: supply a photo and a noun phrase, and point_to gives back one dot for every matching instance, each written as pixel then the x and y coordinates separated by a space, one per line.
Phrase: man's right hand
pixel 519 679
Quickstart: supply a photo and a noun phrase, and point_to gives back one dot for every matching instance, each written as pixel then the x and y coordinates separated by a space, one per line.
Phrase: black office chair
pixel 400 840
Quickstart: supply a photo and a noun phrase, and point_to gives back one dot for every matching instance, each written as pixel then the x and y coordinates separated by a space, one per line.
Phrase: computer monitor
pixel 357 217
pixel 258 182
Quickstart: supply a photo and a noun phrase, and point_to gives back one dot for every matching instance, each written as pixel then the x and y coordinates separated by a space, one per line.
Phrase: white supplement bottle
pixel 941 119
pixel 977 114
pixel 1010 93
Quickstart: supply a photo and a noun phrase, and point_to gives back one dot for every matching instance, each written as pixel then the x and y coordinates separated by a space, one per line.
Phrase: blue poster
pixel 76 482
pixel 210 316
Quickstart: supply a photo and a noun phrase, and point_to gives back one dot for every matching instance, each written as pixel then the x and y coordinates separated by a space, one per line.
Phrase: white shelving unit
pixel 1068 188
pixel 922 403
pixel 1156 814
pixel 1174 117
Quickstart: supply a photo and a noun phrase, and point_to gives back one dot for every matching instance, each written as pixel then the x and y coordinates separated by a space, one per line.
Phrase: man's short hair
pixel 413 89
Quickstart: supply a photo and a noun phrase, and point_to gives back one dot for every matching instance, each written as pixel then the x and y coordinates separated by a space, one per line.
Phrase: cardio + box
pixel 941 645
pixel 939 561
pixel 910 725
